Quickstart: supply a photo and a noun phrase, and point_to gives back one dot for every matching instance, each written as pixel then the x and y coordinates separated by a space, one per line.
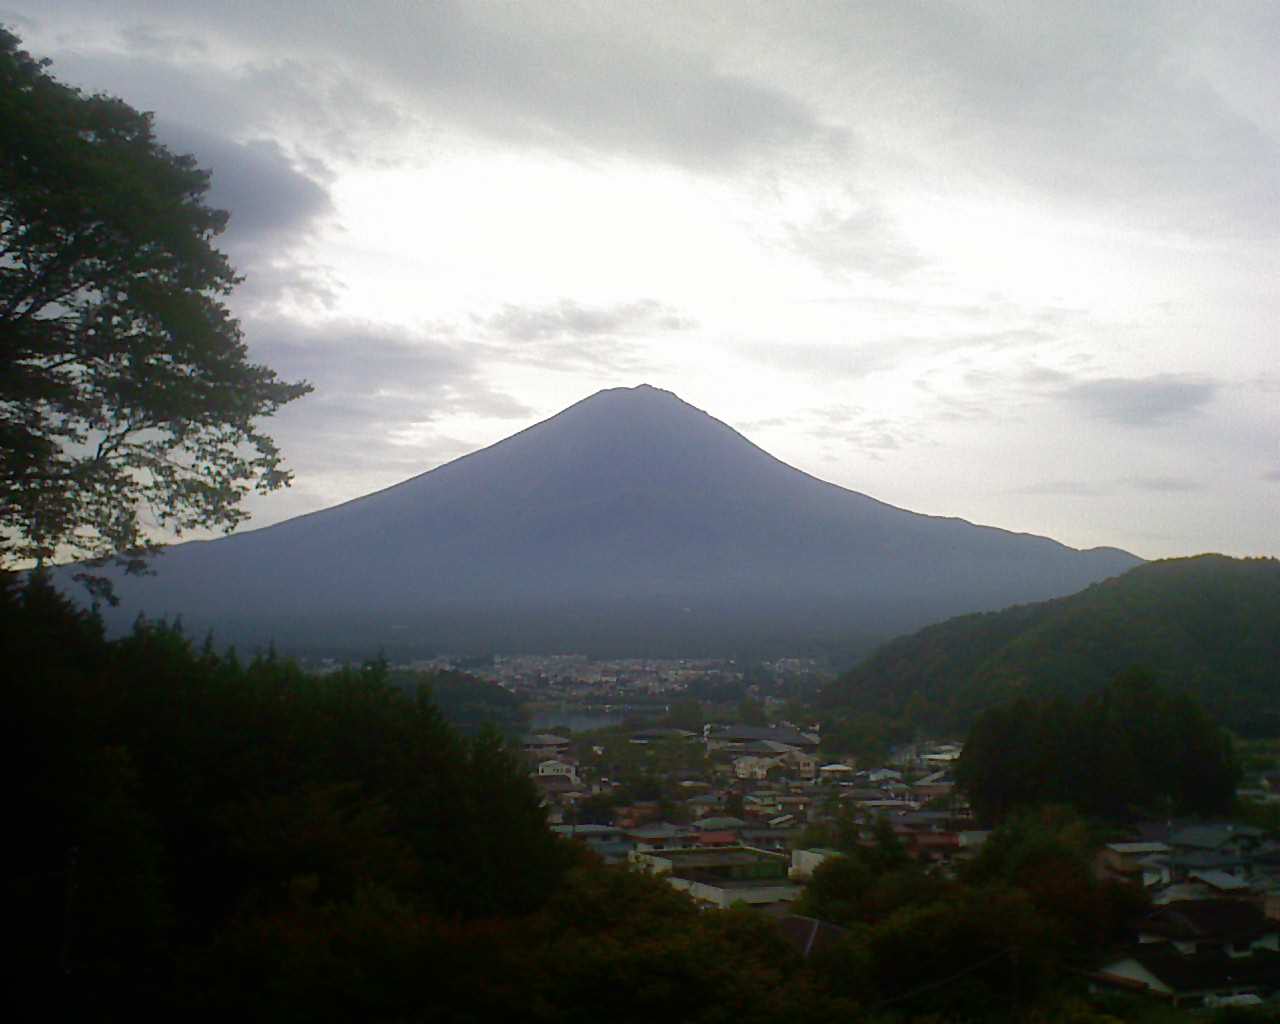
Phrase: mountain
pixel 1208 625
pixel 629 523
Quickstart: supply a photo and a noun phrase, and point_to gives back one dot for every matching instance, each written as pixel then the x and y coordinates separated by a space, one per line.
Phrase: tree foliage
pixel 1133 747
pixel 167 793
pixel 467 702
pixel 124 380
pixel 1208 625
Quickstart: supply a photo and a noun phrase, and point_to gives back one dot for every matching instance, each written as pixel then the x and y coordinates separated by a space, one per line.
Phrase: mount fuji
pixel 630 523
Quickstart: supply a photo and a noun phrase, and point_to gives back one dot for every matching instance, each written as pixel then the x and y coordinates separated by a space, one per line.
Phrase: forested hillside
pixel 1208 625
pixel 175 804
pixel 467 703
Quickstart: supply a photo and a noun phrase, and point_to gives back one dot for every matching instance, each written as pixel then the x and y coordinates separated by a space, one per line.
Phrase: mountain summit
pixel 631 522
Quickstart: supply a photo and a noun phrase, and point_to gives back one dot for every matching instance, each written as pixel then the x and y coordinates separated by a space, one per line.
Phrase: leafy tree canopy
pixel 124 380
pixel 1207 625
pixel 1133 748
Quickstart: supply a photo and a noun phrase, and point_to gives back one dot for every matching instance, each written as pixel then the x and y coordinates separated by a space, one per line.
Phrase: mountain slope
pixel 1209 625
pixel 631 522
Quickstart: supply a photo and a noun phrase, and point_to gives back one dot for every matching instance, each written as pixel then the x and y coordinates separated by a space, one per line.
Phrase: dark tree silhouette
pixel 124 380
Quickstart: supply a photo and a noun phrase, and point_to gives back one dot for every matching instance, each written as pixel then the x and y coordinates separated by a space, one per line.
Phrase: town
pixel 743 815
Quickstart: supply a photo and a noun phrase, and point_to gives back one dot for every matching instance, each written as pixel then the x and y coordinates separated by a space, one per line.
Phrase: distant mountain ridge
pixel 629 523
pixel 1208 625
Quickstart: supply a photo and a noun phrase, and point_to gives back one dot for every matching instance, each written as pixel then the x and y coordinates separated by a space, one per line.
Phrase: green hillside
pixel 1208 625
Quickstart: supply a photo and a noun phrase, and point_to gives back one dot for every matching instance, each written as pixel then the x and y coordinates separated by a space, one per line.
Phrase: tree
pixel 124 380
pixel 1134 748
pixel 686 714
pixel 752 712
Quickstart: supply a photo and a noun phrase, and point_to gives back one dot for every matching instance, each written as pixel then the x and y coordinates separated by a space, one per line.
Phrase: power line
pixel 944 981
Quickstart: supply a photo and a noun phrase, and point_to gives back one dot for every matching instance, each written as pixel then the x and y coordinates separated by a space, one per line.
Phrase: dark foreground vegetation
pixel 1133 750
pixel 215 840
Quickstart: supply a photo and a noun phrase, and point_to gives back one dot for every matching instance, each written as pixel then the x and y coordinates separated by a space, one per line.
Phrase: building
pixel 1199 953
pixel 723 877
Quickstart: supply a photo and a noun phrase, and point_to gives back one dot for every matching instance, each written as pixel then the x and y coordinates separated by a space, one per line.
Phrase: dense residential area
pixel 741 815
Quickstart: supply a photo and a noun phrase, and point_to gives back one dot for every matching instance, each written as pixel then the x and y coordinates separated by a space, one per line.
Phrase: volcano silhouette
pixel 629 523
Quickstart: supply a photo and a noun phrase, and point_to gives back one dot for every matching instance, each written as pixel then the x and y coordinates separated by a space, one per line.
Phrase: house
pixel 803 765
pixel 721 823
pixel 636 814
pixel 751 766
pixel 658 835
pixel 736 737
pixel 1229 848
pixel 943 756
pixel 723 877
pixel 1195 952
pixel 933 847
pixel 1204 979
pixel 705 803
pixel 557 789
pixel 933 786
pixel 797 804
pixel 544 745
pixel 778 839
pixel 836 772
pixel 553 766
pixel 715 839
pixel 606 840
pixel 644 736
pixel 1194 926
pixel 805 862
pixel 971 841
pixel 1143 864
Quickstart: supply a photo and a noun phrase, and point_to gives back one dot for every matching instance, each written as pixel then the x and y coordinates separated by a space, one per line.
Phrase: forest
pixel 1203 626
pixel 1132 751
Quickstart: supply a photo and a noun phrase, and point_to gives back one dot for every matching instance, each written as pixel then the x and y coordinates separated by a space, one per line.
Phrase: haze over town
pixel 1014 265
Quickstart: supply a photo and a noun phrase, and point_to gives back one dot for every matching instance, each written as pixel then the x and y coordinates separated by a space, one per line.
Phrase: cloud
pixel 1067 489
pixel 383 366
pixel 853 359
pixel 277 197
pixel 322 108
pixel 973 393
pixel 1158 114
pixel 1141 401
pixel 569 319
pixel 852 426
pixel 380 393
pixel 276 210
pixel 1113 486
pixel 610 81
pixel 860 241
pixel 572 335
pixel 1164 484
pixel 859 358
pixel 269 199
pixel 1142 112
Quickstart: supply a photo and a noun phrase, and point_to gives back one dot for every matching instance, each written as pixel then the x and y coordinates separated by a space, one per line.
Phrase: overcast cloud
pixel 1010 262
pixel 1146 402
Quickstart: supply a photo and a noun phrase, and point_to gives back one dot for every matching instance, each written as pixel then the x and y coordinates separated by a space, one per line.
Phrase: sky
pixel 1012 262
